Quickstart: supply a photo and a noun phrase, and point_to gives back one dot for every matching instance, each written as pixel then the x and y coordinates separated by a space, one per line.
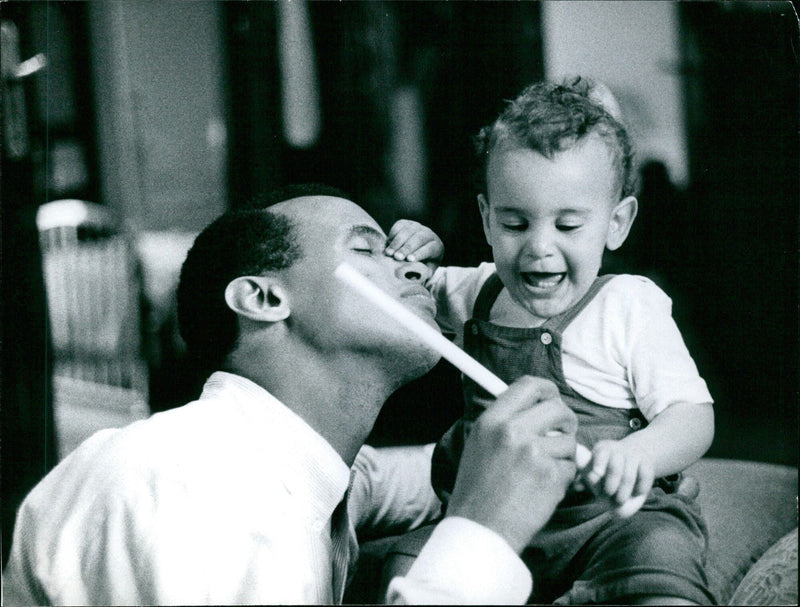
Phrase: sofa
pixel 751 509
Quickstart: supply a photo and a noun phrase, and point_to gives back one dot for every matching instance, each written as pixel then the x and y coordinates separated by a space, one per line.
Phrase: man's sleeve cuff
pixel 464 562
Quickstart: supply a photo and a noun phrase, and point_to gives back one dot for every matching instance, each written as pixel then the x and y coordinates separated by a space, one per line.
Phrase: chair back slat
pixel 93 294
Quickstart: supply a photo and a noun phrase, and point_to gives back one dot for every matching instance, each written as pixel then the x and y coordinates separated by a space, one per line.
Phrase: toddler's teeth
pixel 543 282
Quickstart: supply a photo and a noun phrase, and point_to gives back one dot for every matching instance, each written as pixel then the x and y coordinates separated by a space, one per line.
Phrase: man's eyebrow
pixel 367 231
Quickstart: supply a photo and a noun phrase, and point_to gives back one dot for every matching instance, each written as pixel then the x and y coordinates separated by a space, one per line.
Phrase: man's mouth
pixel 420 296
pixel 543 280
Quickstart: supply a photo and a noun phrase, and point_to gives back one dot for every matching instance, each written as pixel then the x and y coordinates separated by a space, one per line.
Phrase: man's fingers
pixel 533 409
pixel 521 395
pixel 561 447
pixel 517 462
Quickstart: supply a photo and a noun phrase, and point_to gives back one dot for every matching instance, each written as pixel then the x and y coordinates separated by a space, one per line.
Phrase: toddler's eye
pixel 515 227
pixel 567 227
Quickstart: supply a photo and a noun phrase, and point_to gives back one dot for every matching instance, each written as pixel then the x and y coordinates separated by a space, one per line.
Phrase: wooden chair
pixel 93 286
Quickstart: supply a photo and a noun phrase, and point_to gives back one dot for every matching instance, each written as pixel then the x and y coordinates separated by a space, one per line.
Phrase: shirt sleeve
pixel 463 563
pixel 391 491
pixel 661 369
pixel 455 289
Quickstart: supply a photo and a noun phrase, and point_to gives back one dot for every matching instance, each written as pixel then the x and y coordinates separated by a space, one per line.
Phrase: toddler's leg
pixel 657 557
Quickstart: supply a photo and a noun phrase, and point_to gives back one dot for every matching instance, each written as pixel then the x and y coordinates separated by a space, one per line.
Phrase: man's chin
pixel 415 362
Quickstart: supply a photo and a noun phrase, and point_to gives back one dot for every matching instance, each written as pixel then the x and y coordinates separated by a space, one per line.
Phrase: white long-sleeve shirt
pixel 229 500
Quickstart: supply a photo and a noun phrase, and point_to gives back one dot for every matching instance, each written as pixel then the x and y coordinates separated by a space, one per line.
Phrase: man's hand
pixel 517 462
pixel 620 471
pixel 413 241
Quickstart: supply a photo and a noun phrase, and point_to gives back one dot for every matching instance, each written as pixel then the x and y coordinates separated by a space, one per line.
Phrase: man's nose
pixel 414 271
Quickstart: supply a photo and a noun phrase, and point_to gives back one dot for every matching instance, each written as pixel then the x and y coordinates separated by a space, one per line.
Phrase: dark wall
pixel 738 252
pixel 726 248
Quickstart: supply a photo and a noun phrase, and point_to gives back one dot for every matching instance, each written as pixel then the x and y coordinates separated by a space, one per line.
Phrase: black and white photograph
pixel 400 302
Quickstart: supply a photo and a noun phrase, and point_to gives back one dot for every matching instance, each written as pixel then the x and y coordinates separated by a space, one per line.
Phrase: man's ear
pixel 483 206
pixel 259 298
pixel 620 223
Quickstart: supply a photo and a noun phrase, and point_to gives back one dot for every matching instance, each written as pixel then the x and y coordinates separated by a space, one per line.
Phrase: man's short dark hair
pixel 549 118
pixel 247 241
pixel 243 242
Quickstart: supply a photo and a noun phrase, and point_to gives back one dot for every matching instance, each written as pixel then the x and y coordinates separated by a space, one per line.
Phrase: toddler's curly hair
pixel 550 118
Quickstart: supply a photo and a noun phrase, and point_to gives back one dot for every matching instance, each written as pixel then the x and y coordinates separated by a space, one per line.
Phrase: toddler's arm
pixel 415 242
pixel 674 439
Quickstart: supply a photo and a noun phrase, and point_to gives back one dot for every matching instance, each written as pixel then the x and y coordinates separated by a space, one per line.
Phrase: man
pixel 239 497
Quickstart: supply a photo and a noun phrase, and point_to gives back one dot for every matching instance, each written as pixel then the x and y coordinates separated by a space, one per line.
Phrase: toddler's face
pixel 549 220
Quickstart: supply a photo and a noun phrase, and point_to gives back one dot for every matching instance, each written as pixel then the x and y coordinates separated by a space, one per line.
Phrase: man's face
pixel 328 313
pixel 548 222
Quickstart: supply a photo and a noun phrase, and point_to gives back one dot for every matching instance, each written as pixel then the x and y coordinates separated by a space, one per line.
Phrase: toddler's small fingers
pixel 402 225
pixel 614 472
pixel 628 482
pixel 644 481
pixel 419 245
pixel 599 465
pixel 430 250
pixel 396 244
pixel 631 506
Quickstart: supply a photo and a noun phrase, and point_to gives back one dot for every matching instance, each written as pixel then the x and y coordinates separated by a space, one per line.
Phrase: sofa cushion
pixel 773 579
pixel 748 507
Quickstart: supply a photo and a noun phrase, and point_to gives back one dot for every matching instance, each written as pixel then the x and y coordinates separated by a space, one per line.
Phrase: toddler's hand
pixel 413 241
pixel 625 472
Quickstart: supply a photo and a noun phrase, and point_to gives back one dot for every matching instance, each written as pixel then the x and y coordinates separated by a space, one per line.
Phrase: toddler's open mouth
pixel 543 280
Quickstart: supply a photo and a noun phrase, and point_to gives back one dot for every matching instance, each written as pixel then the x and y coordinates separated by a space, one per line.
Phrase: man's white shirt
pixel 229 500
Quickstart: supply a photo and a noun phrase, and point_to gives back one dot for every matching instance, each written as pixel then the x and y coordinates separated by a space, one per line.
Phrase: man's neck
pixel 339 398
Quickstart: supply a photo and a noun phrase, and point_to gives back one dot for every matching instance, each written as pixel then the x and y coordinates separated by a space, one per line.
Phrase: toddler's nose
pixel 539 244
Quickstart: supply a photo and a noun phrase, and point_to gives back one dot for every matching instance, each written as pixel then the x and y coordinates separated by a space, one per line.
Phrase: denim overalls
pixel 581 540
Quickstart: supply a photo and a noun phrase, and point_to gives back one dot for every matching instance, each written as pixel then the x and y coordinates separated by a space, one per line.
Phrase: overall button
pixel 635 423
pixel 474 329
pixel 546 338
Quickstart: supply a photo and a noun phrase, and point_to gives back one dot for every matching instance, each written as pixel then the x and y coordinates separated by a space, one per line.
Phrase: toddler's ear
pixel 483 206
pixel 258 298
pixel 620 223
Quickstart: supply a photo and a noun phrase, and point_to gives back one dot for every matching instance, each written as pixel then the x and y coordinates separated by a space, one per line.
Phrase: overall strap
pixel 487 296
pixel 561 321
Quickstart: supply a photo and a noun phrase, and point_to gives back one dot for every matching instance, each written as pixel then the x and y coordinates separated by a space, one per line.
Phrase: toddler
pixel 557 185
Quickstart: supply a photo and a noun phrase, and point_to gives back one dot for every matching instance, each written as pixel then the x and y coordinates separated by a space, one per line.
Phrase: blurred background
pixel 164 114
